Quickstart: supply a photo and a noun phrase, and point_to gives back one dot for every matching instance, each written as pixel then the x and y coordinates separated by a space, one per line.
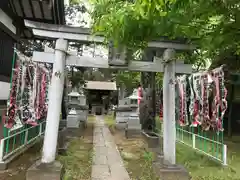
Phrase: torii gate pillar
pixel 55 101
pixel 169 129
pixel 169 169
pixel 47 167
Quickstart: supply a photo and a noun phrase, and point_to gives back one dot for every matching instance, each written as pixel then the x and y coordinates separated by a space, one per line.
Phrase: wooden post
pixel 169 129
pixel 55 100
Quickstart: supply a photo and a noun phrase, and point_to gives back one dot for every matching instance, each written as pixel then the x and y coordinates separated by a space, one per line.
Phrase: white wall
pixel 4 90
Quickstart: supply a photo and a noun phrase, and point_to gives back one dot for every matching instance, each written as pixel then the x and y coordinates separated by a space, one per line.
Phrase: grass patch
pixel 78 160
pixel 91 119
pixel 199 166
pixel 109 120
pixel 137 160
pixel 202 167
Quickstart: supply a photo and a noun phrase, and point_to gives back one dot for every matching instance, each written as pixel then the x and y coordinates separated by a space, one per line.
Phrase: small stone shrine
pixel 98 95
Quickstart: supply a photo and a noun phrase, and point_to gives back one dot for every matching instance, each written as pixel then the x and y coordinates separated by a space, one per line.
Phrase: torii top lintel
pixel 51 31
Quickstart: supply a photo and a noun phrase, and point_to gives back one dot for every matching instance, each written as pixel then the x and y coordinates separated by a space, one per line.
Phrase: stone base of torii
pixel 47 168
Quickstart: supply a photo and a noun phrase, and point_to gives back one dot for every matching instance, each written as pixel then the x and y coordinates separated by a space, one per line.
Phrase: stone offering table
pixel 122 115
pixel 73 119
pixel 82 112
pixel 133 127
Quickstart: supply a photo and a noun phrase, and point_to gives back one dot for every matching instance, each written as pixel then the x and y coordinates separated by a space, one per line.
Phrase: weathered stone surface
pixel 121 126
pixel 100 172
pixel 62 123
pixel 73 121
pixel 39 171
pixel 62 141
pixel 151 138
pixel 100 160
pixel 100 150
pixel 170 172
pixel 73 132
pixel 129 133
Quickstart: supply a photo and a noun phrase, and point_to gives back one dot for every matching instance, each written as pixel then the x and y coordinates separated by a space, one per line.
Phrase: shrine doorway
pixel 98 93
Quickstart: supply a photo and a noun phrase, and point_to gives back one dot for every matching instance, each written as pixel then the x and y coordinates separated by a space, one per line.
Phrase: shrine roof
pixel 101 85
pixel 75 94
pixel 45 11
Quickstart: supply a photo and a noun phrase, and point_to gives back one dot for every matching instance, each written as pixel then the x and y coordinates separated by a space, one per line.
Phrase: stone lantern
pixel 133 99
pixel 74 98
pixel 77 102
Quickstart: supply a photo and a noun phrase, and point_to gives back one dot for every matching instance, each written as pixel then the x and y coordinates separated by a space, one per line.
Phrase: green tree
pixel 212 24
pixel 77 79
pixel 74 2
pixel 130 80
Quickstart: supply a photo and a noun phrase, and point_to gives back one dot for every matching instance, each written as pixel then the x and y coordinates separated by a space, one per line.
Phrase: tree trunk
pixel 153 94
pixel 63 107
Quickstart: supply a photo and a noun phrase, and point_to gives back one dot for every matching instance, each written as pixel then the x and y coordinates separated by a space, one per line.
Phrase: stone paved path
pixel 107 162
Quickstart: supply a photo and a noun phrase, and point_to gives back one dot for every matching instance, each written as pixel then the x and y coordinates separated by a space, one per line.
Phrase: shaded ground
pixel 137 160
pixel 17 169
pixel 78 160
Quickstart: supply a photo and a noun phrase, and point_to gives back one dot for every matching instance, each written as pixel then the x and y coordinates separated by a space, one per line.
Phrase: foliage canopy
pixel 211 24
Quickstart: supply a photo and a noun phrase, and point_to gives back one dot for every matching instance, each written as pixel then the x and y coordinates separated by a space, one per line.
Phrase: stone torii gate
pixel 60 58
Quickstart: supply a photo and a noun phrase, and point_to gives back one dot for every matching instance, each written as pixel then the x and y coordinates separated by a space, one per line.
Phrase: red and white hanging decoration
pixel 28 95
pixel 206 91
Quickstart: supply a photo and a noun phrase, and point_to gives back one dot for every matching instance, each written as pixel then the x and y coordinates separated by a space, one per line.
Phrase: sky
pixel 79 19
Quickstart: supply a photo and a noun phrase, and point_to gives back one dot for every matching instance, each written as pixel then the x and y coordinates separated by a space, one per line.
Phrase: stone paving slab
pixel 100 160
pixel 100 172
pixel 107 162
pixel 100 150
